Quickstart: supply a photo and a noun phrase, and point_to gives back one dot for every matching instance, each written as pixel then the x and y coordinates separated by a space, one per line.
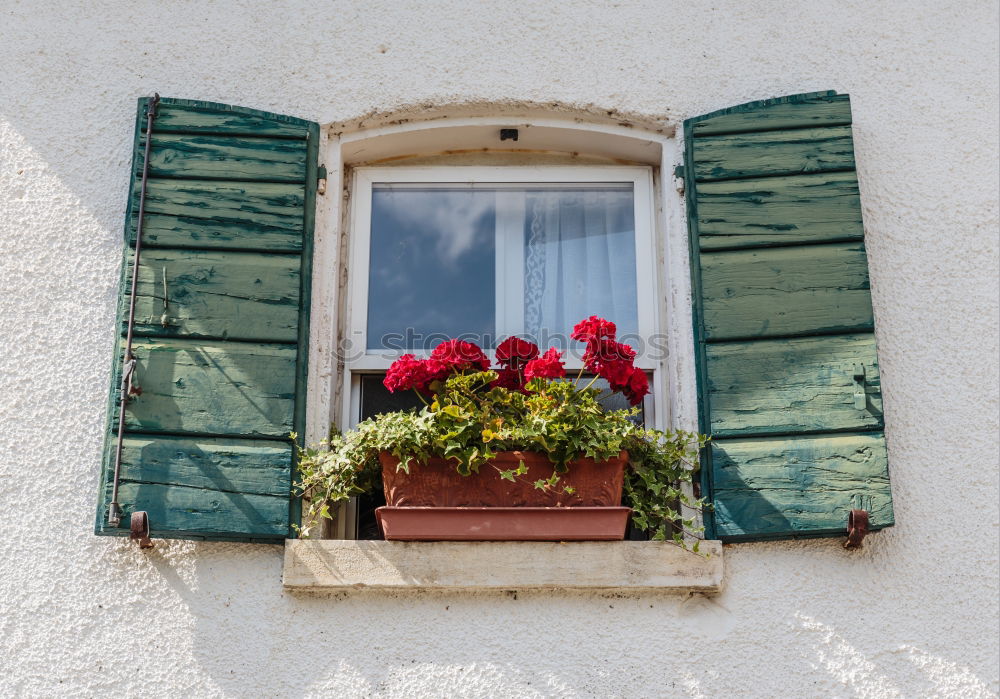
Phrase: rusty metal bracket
pixel 139 530
pixel 857 527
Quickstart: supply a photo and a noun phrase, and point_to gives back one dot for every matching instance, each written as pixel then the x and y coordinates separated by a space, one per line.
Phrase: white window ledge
pixel 337 565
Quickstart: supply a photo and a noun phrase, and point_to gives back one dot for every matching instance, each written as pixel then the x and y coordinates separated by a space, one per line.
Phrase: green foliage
pixel 469 422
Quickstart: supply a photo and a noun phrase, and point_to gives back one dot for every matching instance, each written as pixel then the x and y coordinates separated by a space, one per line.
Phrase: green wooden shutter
pixel 787 369
pixel 229 216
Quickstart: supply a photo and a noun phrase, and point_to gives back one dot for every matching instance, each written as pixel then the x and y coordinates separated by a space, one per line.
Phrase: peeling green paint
pixel 782 310
pixel 227 240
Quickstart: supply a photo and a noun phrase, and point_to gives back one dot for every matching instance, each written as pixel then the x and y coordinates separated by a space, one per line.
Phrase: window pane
pixel 579 260
pixel 563 252
pixel 432 266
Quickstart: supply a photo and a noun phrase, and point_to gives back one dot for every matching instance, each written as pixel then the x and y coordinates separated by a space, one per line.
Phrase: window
pixel 482 253
pixel 778 292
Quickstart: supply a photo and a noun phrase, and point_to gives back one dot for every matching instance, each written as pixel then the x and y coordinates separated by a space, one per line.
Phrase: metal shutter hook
pixel 857 527
pixel 860 398
pixel 139 529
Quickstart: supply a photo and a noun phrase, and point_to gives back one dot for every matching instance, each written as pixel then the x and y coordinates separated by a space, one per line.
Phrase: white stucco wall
pixel 913 614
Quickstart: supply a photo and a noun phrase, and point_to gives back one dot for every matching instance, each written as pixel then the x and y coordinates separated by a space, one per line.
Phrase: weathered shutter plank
pixel 183 512
pixel 252 466
pixel 226 158
pixel 793 385
pixel 223 388
pixel 214 294
pixel 786 291
pixel 782 486
pixel 779 211
pixel 205 214
pixel 774 153
pixel 799 111
pixel 190 116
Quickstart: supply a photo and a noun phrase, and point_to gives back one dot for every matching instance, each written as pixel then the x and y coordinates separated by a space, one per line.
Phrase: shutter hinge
pixel 321 179
pixel 679 177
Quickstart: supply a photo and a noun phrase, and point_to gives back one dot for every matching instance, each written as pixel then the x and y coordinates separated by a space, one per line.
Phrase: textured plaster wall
pixel 913 614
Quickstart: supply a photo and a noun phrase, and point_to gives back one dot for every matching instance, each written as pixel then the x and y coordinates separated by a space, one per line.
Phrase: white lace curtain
pixel 579 260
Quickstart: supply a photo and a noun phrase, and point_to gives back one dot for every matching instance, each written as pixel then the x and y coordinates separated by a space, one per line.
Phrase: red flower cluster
pixel 459 355
pixel 548 366
pixel 449 357
pixel 594 328
pixel 611 360
pixel 408 372
pixel 520 362
pixel 637 387
pixel 515 352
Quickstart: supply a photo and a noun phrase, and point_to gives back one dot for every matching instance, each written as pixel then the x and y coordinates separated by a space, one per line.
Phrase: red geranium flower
pixel 408 372
pixel 548 366
pixel 609 359
pixel 605 351
pixel 594 328
pixel 515 352
pixel 436 370
pixel 637 386
pixel 508 378
pixel 459 355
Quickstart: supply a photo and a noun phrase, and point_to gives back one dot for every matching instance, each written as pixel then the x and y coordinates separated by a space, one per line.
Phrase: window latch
pixel 860 399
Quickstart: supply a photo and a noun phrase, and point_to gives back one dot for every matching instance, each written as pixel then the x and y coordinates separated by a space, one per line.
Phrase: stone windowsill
pixel 337 565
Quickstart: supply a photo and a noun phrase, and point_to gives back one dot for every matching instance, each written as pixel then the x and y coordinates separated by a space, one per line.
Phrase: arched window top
pixel 622 142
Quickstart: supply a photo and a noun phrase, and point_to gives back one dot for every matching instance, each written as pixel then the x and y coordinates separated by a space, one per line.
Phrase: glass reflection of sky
pixel 432 271
pixel 432 266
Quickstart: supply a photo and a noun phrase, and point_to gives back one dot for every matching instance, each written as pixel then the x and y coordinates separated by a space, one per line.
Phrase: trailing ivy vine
pixel 471 416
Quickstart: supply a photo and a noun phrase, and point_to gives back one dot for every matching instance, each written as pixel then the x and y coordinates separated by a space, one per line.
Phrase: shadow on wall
pixel 851 670
pixel 244 642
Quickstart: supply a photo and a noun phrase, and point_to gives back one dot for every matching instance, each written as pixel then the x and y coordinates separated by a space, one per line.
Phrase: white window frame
pixel 349 147
pixel 639 177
